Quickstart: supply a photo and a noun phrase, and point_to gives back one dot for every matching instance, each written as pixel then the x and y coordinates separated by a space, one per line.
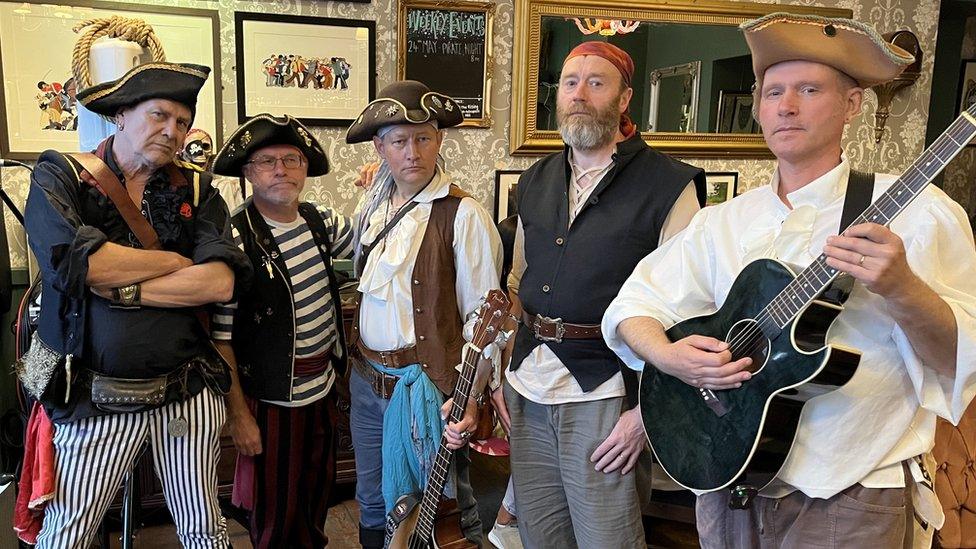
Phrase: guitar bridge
pixel 713 403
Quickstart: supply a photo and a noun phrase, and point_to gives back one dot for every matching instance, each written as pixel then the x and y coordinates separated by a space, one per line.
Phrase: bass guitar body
pixel 740 438
pixel 402 533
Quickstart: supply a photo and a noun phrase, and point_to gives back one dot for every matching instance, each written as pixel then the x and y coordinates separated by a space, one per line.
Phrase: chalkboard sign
pixel 447 45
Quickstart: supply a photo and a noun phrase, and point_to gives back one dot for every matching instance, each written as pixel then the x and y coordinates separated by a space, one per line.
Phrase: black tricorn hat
pixel 262 131
pixel 180 82
pixel 404 102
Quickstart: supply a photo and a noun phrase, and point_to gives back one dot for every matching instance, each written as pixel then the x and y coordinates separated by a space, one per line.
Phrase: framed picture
pixel 967 85
pixel 720 186
pixel 38 93
pixel 446 44
pixel 735 113
pixel 321 71
pixel 506 202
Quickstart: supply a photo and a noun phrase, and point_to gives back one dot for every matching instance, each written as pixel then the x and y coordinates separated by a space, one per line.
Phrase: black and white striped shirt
pixel 315 323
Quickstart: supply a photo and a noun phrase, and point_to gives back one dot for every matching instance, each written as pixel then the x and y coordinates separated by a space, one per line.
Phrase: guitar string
pixel 463 387
pixel 426 519
pixel 909 180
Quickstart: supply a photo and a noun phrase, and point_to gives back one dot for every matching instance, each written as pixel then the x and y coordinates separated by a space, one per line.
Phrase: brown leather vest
pixel 437 322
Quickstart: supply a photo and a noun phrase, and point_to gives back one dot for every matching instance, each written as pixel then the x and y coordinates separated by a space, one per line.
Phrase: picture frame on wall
pixel 320 70
pixel 735 113
pixel 506 203
pixel 967 85
pixel 720 187
pixel 38 92
pixel 447 44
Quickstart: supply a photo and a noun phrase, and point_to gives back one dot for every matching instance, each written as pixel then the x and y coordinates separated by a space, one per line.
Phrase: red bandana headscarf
pixel 620 59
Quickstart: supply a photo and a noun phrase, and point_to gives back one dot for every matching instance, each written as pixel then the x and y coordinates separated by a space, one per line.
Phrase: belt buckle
pixel 560 329
pixel 386 395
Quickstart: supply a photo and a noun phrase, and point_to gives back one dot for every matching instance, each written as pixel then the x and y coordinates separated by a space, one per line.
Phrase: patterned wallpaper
pixel 473 154
pixel 961 172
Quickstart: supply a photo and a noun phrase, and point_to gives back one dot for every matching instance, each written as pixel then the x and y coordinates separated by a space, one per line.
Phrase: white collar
pixel 820 192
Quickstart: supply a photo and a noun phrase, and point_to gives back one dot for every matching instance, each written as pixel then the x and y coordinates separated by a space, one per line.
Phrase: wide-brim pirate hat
pixel 404 102
pixel 854 48
pixel 179 82
pixel 265 130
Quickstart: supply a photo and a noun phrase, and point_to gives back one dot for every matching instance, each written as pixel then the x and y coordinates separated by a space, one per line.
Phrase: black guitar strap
pixel 860 189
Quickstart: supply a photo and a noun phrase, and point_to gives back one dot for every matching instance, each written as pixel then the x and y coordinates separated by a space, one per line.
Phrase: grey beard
pixel 587 135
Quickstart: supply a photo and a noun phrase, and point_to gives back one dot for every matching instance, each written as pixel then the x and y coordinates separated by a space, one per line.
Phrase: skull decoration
pixel 197 148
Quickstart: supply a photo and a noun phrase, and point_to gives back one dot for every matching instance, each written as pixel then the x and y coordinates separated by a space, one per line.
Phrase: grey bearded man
pixel 131 243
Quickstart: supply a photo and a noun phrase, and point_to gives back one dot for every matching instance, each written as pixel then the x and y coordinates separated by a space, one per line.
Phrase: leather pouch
pixel 114 394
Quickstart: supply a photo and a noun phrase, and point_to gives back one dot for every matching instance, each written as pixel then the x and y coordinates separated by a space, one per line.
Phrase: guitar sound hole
pixel 747 340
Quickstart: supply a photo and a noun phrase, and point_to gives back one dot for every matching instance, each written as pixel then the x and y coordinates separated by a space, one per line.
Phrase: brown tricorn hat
pixel 852 47
pixel 404 102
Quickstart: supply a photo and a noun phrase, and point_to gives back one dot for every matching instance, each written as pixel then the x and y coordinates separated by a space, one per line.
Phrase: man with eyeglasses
pixel 285 334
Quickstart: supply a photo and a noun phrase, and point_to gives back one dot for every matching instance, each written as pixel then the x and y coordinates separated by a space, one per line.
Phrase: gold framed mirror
pixel 699 100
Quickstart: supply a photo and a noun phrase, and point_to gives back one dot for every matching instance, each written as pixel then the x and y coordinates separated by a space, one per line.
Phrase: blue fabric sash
pixel 412 429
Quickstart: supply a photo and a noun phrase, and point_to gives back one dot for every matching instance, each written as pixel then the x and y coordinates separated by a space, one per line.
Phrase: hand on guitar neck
pixel 457 434
pixel 875 256
pixel 699 361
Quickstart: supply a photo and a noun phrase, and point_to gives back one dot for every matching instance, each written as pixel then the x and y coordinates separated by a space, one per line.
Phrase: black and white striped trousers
pixel 93 454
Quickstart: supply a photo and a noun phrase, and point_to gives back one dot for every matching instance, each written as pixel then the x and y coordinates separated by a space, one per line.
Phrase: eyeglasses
pixel 268 163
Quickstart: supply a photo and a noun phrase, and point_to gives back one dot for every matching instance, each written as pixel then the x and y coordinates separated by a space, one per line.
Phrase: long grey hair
pixel 372 199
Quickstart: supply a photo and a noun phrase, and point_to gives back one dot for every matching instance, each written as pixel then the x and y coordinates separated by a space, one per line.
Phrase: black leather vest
pixel 574 272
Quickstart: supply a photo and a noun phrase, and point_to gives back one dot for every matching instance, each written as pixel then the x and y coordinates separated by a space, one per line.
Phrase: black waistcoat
pixel 264 324
pixel 574 272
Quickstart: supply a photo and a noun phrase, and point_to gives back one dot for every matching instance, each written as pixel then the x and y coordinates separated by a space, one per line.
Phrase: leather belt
pixel 390 359
pixel 383 384
pixel 555 330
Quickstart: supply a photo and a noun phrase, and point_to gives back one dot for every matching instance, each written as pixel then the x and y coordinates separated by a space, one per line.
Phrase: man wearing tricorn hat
pixel 853 477
pixel 426 253
pixel 131 244
pixel 286 334
pixel 587 215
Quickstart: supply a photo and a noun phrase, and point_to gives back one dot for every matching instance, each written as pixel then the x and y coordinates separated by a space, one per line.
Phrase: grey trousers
pixel 879 518
pixel 562 500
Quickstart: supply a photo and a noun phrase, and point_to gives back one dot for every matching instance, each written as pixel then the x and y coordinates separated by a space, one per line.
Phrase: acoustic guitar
pixel 428 522
pixel 778 316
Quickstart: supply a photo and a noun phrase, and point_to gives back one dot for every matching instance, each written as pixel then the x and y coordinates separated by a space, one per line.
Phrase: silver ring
pixel 465 434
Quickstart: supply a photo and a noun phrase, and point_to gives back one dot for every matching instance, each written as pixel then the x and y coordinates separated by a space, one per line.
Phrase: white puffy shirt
pixel 860 432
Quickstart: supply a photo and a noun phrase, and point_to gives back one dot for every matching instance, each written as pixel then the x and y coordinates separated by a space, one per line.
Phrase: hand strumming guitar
pixel 699 361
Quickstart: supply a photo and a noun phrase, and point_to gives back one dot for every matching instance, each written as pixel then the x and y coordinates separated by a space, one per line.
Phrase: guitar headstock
pixel 492 316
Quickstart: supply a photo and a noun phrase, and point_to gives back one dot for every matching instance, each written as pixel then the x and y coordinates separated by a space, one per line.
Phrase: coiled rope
pixel 125 28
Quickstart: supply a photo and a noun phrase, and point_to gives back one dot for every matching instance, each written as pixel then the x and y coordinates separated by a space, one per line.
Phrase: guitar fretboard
pixel 442 463
pixel 814 279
